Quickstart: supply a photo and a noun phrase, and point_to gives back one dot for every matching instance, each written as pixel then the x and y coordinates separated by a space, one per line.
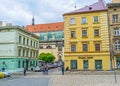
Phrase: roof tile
pixel 45 27
pixel 98 6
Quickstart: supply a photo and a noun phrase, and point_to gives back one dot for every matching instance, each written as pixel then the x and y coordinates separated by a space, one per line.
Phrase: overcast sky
pixel 20 12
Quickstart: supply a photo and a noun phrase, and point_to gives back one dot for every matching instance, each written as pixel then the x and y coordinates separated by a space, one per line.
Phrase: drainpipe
pixel 110 44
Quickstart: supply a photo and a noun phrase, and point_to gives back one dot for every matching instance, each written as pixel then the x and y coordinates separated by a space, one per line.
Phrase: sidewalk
pixel 79 78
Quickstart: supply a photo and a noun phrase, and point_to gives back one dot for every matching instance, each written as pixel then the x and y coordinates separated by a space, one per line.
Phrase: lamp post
pixel 111 47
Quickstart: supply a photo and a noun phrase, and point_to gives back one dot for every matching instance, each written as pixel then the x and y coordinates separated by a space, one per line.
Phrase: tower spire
pixel 33 20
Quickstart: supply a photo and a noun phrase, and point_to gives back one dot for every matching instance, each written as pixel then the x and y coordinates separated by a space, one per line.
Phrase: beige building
pixel 51 38
pixel 116 1
pixel 114 28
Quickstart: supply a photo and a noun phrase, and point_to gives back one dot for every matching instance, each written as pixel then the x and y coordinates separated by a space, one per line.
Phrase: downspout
pixel 110 44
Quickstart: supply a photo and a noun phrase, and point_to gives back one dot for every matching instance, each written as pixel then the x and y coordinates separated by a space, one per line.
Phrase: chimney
pixel 0 23
pixel 115 1
pixel 9 24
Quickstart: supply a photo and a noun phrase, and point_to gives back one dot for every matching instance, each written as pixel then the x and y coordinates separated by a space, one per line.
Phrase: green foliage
pixel 47 57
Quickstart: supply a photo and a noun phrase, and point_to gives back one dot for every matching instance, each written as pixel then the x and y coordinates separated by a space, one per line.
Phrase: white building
pixel 18 48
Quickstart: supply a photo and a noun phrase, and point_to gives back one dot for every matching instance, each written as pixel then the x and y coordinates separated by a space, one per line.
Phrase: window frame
pixel 84 33
pixel 97 47
pixel 73 34
pixel 95 18
pixel 96 32
pixel 115 18
pixel 72 21
pixel 116 31
pixel 73 47
pixel 84 20
pixel 117 45
pixel 85 47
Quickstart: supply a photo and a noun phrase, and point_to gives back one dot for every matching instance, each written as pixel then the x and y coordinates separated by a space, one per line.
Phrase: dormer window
pixel 90 8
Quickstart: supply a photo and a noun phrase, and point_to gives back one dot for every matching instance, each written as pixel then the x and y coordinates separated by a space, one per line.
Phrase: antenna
pixel 33 20
pixel 75 4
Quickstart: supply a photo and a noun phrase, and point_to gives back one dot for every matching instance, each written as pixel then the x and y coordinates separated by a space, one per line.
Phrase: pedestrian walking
pixel 43 68
pixel 62 68
pixel 46 69
pixel 24 71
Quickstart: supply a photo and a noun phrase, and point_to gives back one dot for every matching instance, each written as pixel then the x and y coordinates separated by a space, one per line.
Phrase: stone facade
pixel 114 27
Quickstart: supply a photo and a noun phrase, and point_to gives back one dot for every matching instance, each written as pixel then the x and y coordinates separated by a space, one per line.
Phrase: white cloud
pixel 20 11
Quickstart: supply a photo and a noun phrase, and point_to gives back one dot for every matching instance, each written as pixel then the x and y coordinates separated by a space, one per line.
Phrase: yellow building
pixel 86 38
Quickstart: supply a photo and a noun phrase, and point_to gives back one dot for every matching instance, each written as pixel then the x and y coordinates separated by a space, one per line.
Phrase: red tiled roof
pixel 98 6
pixel 46 27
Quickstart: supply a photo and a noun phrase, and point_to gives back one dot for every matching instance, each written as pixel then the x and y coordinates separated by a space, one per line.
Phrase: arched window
pixel 48 47
pixel 41 47
pixel 117 45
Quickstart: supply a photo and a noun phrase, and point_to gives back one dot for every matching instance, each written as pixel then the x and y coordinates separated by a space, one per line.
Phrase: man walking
pixel 62 68
pixel 24 71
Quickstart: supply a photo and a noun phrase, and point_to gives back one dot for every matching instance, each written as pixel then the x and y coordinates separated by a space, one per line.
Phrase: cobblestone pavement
pixel 79 78
pixel 25 81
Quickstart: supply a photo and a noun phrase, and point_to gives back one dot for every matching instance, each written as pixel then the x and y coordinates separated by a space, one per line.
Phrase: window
pixel 116 31
pixel 23 40
pixel 23 64
pixel 23 52
pixel 46 37
pixel 85 47
pixel 98 64
pixel 41 47
pixel 97 47
pixel 95 19
pixel 31 43
pixel 72 21
pixel 27 53
pixel 19 64
pixel 117 45
pixel 118 62
pixel 73 64
pixel 27 41
pixel 34 43
pixel 115 18
pixel 84 33
pixel 96 32
pixel 84 21
pixel 72 34
pixel 19 52
pixel 49 47
pixel 73 48
pixel 85 64
pixel 20 39
pixel 53 36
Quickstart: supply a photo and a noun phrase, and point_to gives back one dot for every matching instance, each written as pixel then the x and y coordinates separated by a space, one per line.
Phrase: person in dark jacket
pixel 62 68
pixel 24 71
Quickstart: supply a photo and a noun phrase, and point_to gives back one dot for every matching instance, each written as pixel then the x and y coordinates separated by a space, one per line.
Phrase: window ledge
pixel 72 24
pixel 96 36
pixel 73 38
pixel 84 23
pixel 96 22
pixel 84 36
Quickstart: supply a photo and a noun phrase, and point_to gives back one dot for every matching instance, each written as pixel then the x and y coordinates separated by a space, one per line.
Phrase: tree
pixel 47 57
